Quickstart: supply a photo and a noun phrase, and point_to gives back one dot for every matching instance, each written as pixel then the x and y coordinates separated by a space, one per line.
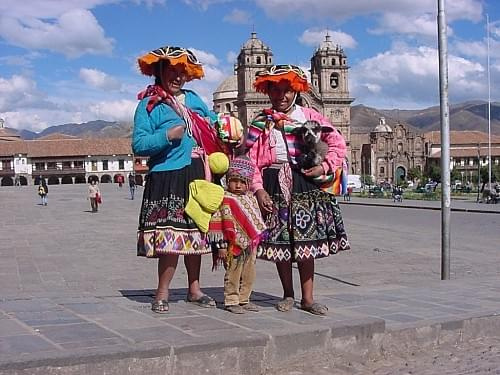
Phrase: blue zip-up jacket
pixel 149 137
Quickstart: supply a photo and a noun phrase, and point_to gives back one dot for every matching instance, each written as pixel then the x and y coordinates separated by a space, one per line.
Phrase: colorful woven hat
pixel 276 73
pixel 229 128
pixel 175 56
pixel 241 167
pixel 218 162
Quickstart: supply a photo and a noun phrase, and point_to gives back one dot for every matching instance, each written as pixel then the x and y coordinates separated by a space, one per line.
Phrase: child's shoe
pixel 235 309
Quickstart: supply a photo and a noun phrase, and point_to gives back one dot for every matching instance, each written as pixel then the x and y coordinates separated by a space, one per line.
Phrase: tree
pixel 414 174
pixel 433 172
pixel 366 179
pixel 455 175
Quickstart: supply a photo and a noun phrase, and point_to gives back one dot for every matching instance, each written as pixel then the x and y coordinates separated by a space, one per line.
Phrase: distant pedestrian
pixel 347 194
pixel 120 181
pixel 131 185
pixel 94 195
pixel 43 190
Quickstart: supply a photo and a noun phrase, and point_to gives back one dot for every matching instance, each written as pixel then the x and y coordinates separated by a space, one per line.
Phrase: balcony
pixel 59 172
pixel 7 173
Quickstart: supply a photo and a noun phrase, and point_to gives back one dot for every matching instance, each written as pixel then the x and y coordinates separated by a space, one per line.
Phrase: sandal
pixel 160 307
pixel 250 307
pixel 235 309
pixel 285 304
pixel 315 308
pixel 203 301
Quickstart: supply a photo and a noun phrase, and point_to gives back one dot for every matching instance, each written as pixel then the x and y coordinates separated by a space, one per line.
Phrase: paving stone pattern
pixel 72 289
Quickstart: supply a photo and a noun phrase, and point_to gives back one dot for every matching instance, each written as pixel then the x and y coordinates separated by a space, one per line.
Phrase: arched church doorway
pixel 400 175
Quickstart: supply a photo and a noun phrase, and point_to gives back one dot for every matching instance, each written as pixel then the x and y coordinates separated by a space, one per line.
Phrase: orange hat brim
pixel 297 83
pixel 193 71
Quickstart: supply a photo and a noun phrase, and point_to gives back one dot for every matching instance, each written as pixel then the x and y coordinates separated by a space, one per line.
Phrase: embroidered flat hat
pixel 218 162
pixel 175 56
pixel 276 73
pixel 204 199
pixel 241 167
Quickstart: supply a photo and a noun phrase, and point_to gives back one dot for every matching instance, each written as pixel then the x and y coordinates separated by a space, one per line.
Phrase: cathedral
pixel 381 152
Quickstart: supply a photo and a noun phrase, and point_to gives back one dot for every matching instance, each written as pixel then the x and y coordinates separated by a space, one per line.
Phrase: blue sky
pixel 75 60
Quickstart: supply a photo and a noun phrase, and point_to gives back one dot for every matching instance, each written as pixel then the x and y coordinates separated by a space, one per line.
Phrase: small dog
pixel 314 149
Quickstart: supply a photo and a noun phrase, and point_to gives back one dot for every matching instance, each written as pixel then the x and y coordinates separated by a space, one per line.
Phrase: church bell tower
pixel 254 57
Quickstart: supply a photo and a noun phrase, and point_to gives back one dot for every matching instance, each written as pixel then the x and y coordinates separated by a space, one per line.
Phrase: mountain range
pixel 471 115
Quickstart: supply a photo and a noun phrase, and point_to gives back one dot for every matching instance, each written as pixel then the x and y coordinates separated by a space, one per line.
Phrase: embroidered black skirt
pixel 164 228
pixel 311 226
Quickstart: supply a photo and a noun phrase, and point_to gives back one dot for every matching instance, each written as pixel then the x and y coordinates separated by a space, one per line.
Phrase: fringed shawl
pixel 238 221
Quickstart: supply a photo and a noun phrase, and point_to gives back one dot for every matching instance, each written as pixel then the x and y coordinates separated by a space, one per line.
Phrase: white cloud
pixel 205 57
pixel 231 57
pixel 408 78
pixel 314 37
pixel 45 9
pixel 20 92
pixel 204 4
pixel 477 49
pixel 73 33
pixel 117 110
pixel 149 3
pixel 239 17
pixel 213 74
pixel 393 16
pixel 99 79
pixel 424 24
pixel 340 9
pixel 28 120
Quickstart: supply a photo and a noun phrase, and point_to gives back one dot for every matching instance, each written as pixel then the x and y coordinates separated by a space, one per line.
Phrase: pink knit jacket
pixel 263 154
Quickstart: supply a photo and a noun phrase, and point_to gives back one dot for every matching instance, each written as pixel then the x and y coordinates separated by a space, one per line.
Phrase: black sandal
pixel 203 301
pixel 160 307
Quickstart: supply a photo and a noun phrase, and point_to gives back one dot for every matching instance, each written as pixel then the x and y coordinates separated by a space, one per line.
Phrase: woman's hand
pixel 264 200
pixel 176 132
pixel 314 171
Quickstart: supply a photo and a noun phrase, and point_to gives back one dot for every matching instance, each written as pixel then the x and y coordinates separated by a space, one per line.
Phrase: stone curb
pixel 256 353
pixel 472 210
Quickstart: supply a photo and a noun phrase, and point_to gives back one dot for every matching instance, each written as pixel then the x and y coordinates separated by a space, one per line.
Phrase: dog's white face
pixel 312 132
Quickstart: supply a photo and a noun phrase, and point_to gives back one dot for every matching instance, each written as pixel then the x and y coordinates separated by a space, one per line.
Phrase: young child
pixel 235 230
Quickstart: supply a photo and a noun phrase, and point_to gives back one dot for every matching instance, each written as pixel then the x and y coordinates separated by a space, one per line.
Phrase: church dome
pixel 327 44
pixel 328 47
pixel 229 84
pixel 382 127
pixel 7 134
pixel 255 43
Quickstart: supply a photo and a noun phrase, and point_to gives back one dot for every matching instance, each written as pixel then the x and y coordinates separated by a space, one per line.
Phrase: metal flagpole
pixel 445 143
pixel 489 102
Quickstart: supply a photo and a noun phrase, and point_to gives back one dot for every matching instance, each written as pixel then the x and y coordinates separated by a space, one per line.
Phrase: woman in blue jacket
pixel 165 129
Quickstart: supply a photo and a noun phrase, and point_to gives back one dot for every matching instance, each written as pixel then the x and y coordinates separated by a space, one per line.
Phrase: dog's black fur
pixel 313 150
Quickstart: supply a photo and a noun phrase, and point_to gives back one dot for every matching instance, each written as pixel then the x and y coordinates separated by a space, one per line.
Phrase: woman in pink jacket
pixel 304 221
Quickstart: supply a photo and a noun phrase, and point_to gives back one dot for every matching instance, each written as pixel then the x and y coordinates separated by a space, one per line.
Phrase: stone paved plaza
pixel 74 298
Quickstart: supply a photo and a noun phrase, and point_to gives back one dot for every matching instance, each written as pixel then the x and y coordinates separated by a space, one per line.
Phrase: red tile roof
pixel 462 137
pixel 67 147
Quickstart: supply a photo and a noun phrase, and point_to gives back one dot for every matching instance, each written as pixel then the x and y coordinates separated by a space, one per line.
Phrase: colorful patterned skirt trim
pixel 311 226
pixel 164 228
